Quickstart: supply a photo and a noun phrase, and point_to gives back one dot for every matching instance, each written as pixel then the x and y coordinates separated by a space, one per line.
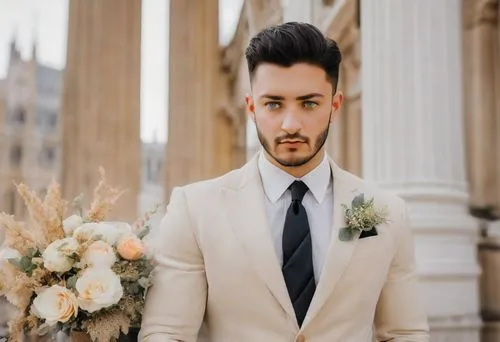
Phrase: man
pixel 260 254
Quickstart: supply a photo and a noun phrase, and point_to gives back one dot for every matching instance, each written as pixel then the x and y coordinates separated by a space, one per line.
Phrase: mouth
pixel 292 142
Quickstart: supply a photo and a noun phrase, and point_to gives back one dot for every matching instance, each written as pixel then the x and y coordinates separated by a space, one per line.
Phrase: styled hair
pixel 290 43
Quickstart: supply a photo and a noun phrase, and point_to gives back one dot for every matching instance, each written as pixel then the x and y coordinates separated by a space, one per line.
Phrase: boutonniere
pixel 361 216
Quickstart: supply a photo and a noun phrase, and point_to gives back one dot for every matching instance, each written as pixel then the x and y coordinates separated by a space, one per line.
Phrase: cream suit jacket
pixel 217 268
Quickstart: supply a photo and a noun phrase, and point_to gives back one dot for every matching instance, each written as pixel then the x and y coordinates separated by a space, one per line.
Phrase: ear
pixel 337 101
pixel 250 107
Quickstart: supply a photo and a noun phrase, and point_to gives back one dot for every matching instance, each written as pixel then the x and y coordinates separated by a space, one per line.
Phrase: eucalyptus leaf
pixel 71 282
pixel 144 282
pixel 358 201
pixel 346 234
pixel 26 263
pixel 16 262
pixel 144 232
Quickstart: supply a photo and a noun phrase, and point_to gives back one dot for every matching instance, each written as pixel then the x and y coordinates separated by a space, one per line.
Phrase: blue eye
pixel 310 104
pixel 273 105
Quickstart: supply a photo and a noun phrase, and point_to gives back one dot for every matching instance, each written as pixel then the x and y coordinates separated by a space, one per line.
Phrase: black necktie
pixel 298 269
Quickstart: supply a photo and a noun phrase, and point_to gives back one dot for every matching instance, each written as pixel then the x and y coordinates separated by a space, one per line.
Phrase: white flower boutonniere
pixel 362 216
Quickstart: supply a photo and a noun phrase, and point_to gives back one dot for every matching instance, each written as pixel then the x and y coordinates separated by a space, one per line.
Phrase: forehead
pixel 298 79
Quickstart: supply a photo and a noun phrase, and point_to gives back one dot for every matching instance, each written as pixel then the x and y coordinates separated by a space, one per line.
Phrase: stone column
pixel 194 62
pixel 481 87
pixel 482 116
pixel 413 144
pixel 101 100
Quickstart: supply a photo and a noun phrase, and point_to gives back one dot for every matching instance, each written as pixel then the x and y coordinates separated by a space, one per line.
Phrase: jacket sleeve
pixel 400 315
pixel 175 304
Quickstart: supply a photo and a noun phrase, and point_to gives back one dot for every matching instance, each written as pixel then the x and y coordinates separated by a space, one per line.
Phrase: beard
pixel 294 161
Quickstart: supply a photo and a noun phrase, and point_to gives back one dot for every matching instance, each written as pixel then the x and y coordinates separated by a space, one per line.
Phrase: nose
pixel 291 123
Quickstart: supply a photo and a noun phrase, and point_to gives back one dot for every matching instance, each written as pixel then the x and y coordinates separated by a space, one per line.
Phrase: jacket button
pixel 300 338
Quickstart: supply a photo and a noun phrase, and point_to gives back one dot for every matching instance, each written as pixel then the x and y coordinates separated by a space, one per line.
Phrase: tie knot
pixel 298 190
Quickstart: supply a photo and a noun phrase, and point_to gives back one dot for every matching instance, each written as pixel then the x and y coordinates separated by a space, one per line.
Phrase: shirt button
pixel 300 338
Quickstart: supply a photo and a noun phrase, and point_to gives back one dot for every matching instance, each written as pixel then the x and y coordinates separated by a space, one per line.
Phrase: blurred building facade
pixel 29 128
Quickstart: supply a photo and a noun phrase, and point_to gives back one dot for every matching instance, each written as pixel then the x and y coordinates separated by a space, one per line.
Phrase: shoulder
pixel 203 193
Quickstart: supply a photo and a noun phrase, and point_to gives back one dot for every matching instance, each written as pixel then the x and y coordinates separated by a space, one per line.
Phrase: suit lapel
pixel 245 209
pixel 339 252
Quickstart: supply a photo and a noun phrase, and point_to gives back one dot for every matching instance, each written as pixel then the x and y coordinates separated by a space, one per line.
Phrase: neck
pixel 302 170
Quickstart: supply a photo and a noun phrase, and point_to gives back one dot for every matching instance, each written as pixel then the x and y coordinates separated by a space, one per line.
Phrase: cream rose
pixel 98 288
pixel 99 254
pixel 71 223
pixel 57 257
pixel 55 304
pixel 131 248
pixel 107 232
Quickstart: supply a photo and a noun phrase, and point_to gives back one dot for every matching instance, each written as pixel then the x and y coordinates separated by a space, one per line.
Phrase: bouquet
pixel 76 273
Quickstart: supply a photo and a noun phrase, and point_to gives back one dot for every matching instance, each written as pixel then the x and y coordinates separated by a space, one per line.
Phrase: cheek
pixel 267 122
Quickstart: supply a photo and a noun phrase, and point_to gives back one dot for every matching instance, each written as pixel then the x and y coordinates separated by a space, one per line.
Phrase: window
pixel 16 155
pixel 47 156
pixel 53 120
pixel 149 171
pixel 50 154
pixel 19 115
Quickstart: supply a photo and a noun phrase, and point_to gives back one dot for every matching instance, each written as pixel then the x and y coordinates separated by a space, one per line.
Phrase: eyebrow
pixel 298 98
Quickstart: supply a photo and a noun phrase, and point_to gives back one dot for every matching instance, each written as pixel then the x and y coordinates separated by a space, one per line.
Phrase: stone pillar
pixel 481 114
pixel 101 100
pixel 483 152
pixel 413 145
pixel 194 62
pixel 489 256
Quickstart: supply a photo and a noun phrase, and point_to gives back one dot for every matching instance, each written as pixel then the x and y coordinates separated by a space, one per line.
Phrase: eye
pixel 272 105
pixel 310 104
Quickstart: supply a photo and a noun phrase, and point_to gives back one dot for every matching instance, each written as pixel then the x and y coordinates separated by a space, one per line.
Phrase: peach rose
pixel 55 304
pixel 131 248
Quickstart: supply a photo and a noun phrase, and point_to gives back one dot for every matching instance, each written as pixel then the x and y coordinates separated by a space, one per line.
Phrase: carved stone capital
pixel 263 13
pixel 477 12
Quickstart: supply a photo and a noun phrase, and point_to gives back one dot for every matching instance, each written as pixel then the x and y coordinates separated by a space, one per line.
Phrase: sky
pixel 46 22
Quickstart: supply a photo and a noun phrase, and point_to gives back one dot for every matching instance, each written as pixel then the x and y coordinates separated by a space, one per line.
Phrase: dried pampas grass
pixel 105 197
pixel 16 236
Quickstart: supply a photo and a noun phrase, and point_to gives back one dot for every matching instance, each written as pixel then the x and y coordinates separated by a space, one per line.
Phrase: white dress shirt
pixel 318 202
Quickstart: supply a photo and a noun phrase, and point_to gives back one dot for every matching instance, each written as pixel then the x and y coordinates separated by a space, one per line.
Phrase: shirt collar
pixel 276 181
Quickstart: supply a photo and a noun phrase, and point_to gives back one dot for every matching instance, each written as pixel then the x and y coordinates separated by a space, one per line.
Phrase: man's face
pixel 292 109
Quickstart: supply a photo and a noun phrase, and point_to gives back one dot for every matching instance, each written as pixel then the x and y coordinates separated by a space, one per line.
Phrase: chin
pixel 292 159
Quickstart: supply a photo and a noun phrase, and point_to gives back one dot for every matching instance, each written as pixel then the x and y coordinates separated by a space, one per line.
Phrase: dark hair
pixel 292 43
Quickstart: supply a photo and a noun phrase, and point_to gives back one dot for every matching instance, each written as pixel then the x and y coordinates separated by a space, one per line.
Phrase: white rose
pixel 99 254
pixel 57 257
pixel 55 304
pixel 71 223
pixel 98 288
pixel 123 227
pixel 107 232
